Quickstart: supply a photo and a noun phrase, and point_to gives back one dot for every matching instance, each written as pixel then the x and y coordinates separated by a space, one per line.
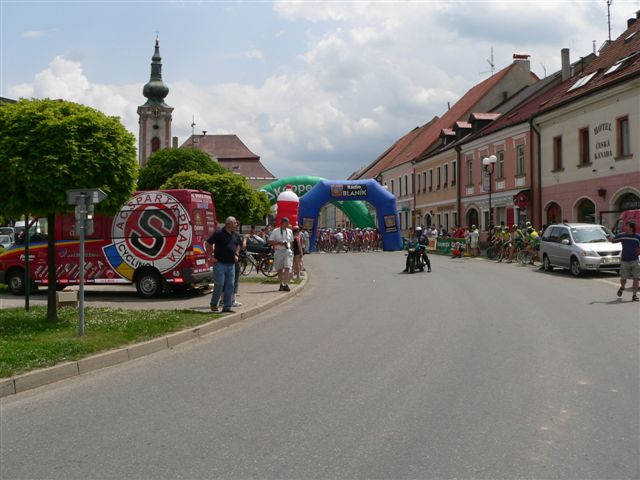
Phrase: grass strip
pixel 28 341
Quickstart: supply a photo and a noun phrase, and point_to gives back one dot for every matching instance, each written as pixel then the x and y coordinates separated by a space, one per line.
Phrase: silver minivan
pixel 579 247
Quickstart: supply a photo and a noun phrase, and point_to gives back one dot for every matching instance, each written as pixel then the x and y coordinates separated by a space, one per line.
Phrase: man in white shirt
pixel 474 241
pixel 281 239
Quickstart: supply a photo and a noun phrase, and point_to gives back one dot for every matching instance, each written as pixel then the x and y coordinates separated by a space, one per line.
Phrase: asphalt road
pixel 476 370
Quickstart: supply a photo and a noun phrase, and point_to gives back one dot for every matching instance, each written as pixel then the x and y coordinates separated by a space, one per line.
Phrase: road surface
pixel 477 370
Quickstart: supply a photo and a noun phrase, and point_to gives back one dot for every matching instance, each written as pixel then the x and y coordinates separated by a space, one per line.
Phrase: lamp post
pixel 489 163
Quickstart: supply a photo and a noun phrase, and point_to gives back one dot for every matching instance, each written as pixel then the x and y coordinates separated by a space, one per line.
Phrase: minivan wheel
pixel 576 271
pixel 15 282
pixel 547 264
pixel 149 284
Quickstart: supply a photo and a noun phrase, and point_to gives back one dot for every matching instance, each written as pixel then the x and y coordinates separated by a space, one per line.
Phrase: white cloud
pixel 368 73
pixel 33 34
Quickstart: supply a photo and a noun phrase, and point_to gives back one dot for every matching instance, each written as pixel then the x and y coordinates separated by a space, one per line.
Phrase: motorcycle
pixel 415 254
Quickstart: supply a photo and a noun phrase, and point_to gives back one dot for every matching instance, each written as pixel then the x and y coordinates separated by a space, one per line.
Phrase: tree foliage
pixel 50 146
pixel 232 194
pixel 165 163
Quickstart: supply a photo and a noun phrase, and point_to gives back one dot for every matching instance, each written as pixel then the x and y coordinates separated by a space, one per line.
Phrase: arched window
pixel 472 217
pixel 586 211
pixel 427 220
pixel 554 213
pixel 628 201
pixel 155 144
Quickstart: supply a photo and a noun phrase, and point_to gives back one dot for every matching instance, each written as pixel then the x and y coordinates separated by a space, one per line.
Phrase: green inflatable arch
pixel 357 211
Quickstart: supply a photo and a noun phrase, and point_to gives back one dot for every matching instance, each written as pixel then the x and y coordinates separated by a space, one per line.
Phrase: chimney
pixel 522 59
pixel 566 64
pixel 174 142
pixel 631 21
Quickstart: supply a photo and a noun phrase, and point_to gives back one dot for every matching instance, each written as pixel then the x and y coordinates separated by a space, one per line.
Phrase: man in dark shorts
pixel 225 247
pixel 629 263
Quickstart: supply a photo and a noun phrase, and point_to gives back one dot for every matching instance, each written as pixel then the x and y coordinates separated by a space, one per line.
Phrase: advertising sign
pixel 390 224
pixel 348 190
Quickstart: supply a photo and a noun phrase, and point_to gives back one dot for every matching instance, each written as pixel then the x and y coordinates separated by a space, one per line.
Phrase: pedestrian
pixel 629 262
pixel 224 246
pixel 281 239
pixel 474 241
pixel 298 251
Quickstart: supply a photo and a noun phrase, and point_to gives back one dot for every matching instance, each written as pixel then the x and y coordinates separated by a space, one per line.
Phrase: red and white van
pixel 155 240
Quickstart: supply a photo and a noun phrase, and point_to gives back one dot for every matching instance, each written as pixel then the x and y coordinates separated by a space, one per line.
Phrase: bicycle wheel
pixel 246 266
pixel 266 267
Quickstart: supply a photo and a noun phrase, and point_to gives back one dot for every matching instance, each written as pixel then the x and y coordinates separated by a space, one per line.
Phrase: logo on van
pixel 153 228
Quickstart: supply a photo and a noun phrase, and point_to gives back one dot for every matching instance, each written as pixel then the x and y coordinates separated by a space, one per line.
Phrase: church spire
pixel 155 90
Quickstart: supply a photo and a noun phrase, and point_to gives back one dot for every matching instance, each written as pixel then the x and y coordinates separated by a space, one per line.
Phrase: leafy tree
pixel 50 146
pixel 232 194
pixel 163 164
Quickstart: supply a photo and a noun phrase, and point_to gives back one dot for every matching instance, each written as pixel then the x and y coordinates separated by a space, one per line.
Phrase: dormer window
pixel 583 81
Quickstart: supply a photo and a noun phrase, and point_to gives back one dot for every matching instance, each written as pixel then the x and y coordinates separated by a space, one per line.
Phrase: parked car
pixel 579 247
pixel 8 231
pixel 5 241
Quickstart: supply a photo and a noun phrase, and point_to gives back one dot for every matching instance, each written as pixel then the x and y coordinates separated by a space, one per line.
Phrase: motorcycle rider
pixel 421 244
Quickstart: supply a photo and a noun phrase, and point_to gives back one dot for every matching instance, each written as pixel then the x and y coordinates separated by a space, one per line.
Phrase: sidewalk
pixel 255 297
pixel 251 294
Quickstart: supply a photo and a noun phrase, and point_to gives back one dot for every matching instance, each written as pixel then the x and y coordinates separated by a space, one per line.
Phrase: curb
pixel 46 376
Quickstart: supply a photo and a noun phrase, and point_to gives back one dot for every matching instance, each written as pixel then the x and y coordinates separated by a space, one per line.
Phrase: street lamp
pixel 489 163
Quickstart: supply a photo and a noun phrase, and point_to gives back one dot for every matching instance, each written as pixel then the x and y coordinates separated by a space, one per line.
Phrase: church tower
pixel 154 115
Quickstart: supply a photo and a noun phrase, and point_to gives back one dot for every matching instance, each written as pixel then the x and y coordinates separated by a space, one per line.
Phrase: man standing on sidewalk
pixel 281 239
pixel 225 247
pixel 629 263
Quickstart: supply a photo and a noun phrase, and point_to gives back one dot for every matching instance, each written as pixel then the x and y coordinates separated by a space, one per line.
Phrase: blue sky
pixel 312 87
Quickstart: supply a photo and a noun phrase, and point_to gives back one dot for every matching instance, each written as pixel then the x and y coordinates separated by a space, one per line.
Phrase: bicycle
pixel 261 262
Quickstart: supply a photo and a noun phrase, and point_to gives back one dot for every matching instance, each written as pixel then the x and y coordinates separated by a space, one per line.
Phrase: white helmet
pixel 418 228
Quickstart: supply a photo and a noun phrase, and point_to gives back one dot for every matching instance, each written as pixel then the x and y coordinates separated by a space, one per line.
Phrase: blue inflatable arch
pixel 366 190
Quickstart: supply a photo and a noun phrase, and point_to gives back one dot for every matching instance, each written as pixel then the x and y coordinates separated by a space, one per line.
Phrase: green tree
pixel 163 164
pixel 50 146
pixel 232 194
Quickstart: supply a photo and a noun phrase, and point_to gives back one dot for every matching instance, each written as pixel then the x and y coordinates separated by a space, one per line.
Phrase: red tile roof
pixel 231 153
pixel 223 147
pixel 559 94
pixel 427 135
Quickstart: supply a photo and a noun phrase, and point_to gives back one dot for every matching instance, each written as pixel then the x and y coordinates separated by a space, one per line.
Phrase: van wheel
pixel 576 271
pixel 15 282
pixel 547 264
pixel 149 284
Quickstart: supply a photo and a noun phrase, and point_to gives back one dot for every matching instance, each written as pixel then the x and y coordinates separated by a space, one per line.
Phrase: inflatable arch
pixel 369 190
pixel 357 211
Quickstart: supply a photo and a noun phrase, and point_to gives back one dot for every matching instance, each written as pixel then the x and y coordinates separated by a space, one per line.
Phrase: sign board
pixel 348 190
pixel 390 224
pixel 486 181
pixel 93 195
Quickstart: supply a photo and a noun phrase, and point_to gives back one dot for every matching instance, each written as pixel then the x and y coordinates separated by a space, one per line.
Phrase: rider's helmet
pixel 418 229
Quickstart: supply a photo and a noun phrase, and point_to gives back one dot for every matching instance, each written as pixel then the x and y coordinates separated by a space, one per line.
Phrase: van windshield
pixel 588 235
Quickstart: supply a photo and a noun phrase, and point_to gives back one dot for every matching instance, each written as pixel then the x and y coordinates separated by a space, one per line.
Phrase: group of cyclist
pixel 348 240
pixel 509 243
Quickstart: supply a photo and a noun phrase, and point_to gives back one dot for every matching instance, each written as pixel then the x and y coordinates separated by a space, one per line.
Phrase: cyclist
pixel 517 242
pixel 533 244
pixel 505 238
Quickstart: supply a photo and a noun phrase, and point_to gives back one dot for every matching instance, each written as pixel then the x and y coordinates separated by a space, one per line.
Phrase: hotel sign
pixel 603 144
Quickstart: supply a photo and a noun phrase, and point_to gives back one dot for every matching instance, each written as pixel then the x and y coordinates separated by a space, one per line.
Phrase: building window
pixel 454 173
pixel 430 180
pixel 392 192
pixel 399 186
pixel 469 172
pixel 557 153
pixel 586 211
pixel 155 144
pixel 438 178
pixel 413 182
pixel 622 132
pixel 500 164
pixel 583 135
pixel 446 175
pixel 520 160
pixel 424 181
pixel 406 185
pixel 419 182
